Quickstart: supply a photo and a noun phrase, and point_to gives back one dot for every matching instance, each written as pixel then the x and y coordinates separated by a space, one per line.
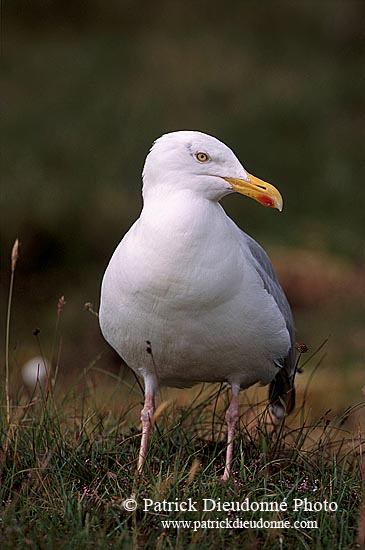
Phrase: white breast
pixel 185 283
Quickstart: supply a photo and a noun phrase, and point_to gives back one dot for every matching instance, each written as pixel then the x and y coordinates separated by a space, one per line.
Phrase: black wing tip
pixel 282 395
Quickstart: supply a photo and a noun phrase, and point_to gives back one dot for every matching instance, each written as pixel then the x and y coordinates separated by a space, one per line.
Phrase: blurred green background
pixel 87 87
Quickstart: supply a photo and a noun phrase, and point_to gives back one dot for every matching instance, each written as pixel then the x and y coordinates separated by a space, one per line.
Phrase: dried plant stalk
pixel 14 259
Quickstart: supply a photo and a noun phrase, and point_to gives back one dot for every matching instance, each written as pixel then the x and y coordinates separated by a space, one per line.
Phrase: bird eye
pixel 202 157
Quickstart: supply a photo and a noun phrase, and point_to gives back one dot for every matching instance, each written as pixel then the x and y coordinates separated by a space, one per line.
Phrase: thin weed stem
pixel 14 259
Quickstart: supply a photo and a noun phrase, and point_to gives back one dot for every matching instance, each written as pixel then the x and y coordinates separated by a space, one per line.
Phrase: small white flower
pixel 34 372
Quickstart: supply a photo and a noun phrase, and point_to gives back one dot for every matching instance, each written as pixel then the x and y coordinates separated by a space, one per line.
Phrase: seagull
pixel 188 297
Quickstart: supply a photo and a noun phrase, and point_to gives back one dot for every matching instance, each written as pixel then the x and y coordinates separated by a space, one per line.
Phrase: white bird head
pixel 189 160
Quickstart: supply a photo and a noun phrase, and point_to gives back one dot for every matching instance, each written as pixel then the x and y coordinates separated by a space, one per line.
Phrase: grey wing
pixel 282 391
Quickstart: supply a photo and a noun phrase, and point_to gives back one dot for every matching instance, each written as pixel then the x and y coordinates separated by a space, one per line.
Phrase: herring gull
pixel 188 297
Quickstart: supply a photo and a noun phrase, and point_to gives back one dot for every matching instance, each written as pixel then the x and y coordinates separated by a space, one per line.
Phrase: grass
pixel 68 470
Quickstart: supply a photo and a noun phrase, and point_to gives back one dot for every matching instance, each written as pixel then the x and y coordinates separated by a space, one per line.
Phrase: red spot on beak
pixel 265 200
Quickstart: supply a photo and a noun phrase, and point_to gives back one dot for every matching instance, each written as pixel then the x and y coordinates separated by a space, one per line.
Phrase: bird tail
pixel 282 394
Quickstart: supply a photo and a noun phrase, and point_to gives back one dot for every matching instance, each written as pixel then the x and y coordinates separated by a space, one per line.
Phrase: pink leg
pixel 147 423
pixel 231 419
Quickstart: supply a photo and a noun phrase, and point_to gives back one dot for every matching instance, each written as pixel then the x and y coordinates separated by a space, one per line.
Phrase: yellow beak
pixel 263 192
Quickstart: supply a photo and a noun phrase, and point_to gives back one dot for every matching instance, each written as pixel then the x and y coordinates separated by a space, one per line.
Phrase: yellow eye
pixel 202 157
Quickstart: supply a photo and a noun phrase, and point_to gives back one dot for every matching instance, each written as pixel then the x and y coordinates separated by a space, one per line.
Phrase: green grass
pixel 68 464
